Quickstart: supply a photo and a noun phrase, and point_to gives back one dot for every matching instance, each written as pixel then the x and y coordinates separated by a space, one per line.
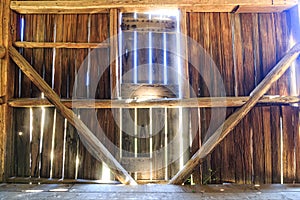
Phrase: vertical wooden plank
pixel 127 54
pixel 288 144
pixel 193 21
pixel 7 86
pixel 68 78
pixel 100 32
pixel 47 143
pixel 258 146
pixel 59 123
pixel 128 115
pixel 297 142
pixel 38 30
pixel 27 53
pixel 225 148
pixel 157 58
pixel 58 147
pixel 275 136
pixel 266 112
pixel 80 88
pixel 183 83
pixel 248 57
pixel 282 45
pixel 59 24
pixel 158 144
pixel 238 55
pixel 114 114
pixel 22 135
pixel 49 112
pixel 267 45
pixel 35 143
pixel 204 91
pixel 173 141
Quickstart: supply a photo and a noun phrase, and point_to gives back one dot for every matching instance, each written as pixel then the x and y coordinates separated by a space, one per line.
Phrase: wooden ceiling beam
pixel 233 120
pixel 93 144
pixel 63 7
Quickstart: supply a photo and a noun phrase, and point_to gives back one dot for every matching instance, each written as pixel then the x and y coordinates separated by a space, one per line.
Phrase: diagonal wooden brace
pixel 94 145
pixel 232 121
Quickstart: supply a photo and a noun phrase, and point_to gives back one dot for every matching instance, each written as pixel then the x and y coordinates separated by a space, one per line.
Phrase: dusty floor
pixel 98 191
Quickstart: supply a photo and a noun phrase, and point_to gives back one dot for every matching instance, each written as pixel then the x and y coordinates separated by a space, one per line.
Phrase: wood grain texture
pixel 60 45
pixel 101 6
pixel 96 147
pixel 6 89
pixel 2 52
pixel 235 118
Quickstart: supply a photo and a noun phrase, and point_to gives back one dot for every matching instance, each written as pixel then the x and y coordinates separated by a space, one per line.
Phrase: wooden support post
pixel 114 69
pixel 237 116
pixel 94 145
pixel 2 52
pixel 6 90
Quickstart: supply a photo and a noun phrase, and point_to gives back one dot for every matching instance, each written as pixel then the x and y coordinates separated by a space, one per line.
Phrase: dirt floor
pixel 149 191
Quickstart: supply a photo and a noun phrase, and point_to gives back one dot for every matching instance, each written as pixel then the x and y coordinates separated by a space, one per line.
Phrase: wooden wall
pixel 37 135
pixel 244 47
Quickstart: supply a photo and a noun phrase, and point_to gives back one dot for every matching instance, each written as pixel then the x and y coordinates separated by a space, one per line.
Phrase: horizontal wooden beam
pixel 31 180
pixel 202 102
pixel 66 45
pixel 263 8
pixel 60 7
pixel 233 120
pixel 2 52
pixel 93 145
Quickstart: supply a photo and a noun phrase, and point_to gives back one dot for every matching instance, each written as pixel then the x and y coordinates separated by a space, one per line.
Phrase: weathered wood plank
pixel 193 23
pixel 60 45
pixel 266 116
pixel 95 146
pixel 47 142
pixel 101 6
pixel 2 52
pixel 235 118
pixel 258 146
pixel 35 143
pixel 59 21
pixel 288 138
pixel 58 146
pixel 297 142
pixel 200 102
pixel 276 146
pixel 268 46
pixel 38 30
pixel 22 135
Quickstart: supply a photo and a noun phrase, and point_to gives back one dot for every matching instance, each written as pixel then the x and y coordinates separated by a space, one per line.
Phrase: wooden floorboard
pixel 150 191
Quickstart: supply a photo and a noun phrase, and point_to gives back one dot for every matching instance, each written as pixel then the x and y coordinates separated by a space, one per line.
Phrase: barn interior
pixel 147 99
